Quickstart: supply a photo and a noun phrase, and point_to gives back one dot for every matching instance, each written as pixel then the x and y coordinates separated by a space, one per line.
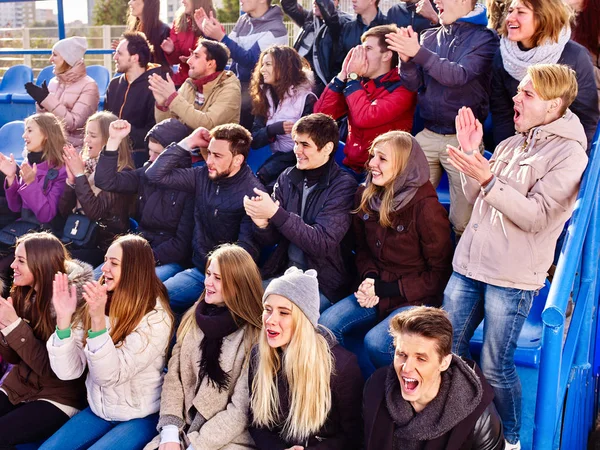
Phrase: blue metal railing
pixel 564 412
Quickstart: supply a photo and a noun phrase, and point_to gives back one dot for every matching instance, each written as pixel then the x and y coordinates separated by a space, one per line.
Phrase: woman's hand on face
pixel 64 300
pixel 95 295
pixel 7 312
pixel 8 167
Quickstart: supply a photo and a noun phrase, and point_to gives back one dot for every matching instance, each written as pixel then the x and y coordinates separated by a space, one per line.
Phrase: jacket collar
pixel 297 176
pixel 236 179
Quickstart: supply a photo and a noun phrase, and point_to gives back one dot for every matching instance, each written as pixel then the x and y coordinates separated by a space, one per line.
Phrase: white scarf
pixel 516 61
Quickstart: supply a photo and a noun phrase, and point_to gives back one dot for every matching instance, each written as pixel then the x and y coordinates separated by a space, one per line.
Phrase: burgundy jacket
pixel 416 251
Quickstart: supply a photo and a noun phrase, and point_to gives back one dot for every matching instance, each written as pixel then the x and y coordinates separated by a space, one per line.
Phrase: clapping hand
pixel 425 9
pixel 260 208
pixel 8 166
pixel 38 93
pixel 212 28
pixel 161 88
pixel 64 300
pixel 468 160
pixel 28 173
pixel 167 46
pixel 405 42
pixel 199 16
pixel 95 295
pixel 73 162
pixel 7 312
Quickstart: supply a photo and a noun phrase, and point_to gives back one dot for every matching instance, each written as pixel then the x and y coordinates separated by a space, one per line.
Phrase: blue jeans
pixel 347 315
pixel 88 431
pixel 505 310
pixel 184 289
pixel 168 270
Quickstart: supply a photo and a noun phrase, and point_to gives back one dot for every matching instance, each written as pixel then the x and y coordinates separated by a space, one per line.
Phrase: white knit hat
pixel 71 49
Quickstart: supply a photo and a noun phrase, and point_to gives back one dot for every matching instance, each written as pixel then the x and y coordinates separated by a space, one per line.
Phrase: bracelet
pixel 486 182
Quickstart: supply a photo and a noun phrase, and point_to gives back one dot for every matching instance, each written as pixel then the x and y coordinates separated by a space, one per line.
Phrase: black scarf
pixel 216 323
pixel 460 393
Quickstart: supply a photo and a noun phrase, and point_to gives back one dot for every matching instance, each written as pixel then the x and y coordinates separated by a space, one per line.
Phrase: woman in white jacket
pixel 121 337
pixel 205 398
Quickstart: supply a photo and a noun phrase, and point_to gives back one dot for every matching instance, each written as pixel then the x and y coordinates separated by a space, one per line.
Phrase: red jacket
pixel 374 106
pixel 184 41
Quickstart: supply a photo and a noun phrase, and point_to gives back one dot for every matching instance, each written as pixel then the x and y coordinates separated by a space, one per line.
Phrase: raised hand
pixel 167 45
pixel 425 9
pixel 200 138
pixel 469 131
pixel 161 88
pixel 64 300
pixel 8 166
pixel 73 161
pixel 199 16
pixel 7 312
pixel 344 72
pixel 212 28
pixel 95 295
pixel 117 131
pixel 28 172
pixel 396 43
pixel 358 61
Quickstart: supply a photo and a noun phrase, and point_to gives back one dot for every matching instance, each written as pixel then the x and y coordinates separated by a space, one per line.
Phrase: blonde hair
pixel 307 364
pixel 552 81
pixel 54 137
pixel 104 119
pixel 550 17
pixel 400 142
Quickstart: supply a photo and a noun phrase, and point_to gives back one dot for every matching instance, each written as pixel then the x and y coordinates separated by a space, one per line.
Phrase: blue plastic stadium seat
pixel 11 139
pixel 13 82
pixel 529 344
pixel 258 156
pixel 46 74
pixel 101 76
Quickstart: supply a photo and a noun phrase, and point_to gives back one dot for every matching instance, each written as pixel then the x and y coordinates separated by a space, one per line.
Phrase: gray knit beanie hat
pixel 71 49
pixel 301 288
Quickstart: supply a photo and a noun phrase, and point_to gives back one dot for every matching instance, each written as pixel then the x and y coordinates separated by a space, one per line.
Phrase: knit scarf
pixel 200 82
pixel 406 185
pixel 516 61
pixel 460 393
pixel 216 323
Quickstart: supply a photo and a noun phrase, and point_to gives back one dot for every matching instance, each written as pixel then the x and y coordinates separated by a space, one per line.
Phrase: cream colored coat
pixel 123 382
pixel 73 98
pixel 226 412
pixel 513 230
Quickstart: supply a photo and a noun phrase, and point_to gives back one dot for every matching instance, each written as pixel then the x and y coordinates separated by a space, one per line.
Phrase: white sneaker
pixel 510 446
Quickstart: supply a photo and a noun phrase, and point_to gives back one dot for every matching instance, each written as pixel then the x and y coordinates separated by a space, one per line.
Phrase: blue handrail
pixel 48 51
pixel 579 252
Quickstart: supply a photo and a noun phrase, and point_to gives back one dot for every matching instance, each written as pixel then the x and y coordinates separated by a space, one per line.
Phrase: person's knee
pixel 379 347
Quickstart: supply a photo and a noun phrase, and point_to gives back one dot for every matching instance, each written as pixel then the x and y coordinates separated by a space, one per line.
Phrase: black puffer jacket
pixel 318 233
pixel 165 216
pixel 219 215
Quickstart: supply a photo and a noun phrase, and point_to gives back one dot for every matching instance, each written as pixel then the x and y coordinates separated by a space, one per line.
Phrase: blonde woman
pixel 205 395
pixel 306 391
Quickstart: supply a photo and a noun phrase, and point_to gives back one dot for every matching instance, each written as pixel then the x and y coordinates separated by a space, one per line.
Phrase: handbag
pixel 80 231
pixel 11 232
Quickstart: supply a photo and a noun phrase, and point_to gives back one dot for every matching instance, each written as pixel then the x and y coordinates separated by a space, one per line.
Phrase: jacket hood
pixel 169 131
pixel 78 273
pixel 568 127
pixel 476 17
pixel 273 13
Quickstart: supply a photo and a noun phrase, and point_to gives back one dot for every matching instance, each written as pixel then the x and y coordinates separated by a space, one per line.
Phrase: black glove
pixel 38 93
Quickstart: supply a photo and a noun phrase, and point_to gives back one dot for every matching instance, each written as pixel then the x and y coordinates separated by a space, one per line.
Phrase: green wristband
pixel 93 334
pixel 63 334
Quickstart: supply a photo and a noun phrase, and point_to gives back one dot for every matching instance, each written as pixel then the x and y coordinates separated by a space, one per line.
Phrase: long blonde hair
pixel 307 365
pixel 104 119
pixel 401 144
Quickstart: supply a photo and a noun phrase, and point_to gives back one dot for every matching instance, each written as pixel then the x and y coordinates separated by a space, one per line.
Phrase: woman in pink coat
pixel 72 96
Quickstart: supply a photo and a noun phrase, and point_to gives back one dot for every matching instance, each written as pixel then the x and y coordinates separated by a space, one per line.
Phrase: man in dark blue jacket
pixel 219 188
pixel 419 14
pixel 308 214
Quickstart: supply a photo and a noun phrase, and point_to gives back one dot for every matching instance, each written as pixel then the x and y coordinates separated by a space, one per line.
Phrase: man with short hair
pixel 219 188
pixel 522 198
pixel 450 67
pixel 429 398
pixel 127 96
pixel 211 95
pixel 419 14
pixel 315 41
pixel 368 90
pixel 308 214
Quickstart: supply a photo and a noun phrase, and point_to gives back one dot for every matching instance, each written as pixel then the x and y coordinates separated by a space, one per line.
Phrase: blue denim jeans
pixel 86 430
pixel 168 270
pixel 184 289
pixel 505 310
pixel 347 315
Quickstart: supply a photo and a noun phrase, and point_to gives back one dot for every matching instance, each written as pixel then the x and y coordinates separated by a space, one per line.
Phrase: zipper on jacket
pixel 124 99
pixel 218 188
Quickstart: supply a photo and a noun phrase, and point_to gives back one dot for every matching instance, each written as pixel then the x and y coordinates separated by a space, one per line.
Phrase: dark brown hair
pixel 379 32
pixel 184 21
pixel 428 322
pixel 238 137
pixel 289 69
pixel 587 26
pixel 321 128
pixel 137 44
pixel 149 24
pixel 215 51
pixel 46 256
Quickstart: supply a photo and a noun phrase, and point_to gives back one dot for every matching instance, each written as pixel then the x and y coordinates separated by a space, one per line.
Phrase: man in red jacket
pixel 369 91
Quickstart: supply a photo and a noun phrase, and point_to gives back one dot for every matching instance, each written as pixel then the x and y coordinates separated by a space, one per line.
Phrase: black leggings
pixel 28 422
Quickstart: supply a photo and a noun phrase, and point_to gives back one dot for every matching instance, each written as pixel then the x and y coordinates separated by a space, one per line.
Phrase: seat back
pixel 46 74
pixel 100 75
pixel 11 137
pixel 14 81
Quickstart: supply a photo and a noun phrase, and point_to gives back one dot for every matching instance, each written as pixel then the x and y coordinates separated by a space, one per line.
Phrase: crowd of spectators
pixel 133 229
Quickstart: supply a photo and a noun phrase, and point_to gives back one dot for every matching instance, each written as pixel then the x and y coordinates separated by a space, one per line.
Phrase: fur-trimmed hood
pixel 79 273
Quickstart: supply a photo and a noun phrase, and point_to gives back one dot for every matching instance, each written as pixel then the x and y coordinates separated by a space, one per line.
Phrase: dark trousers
pixel 28 422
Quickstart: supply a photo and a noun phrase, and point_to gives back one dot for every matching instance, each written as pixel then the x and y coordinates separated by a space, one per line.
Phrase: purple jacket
pixel 453 68
pixel 43 202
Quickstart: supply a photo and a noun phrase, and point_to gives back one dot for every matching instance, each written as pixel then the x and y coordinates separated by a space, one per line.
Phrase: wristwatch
pixel 353 76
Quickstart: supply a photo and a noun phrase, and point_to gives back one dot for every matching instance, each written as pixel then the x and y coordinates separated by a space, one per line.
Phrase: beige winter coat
pixel 513 230
pixel 221 103
pixel 225 413
pixel 73 98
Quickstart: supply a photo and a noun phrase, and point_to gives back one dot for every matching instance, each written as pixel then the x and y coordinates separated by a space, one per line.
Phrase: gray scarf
pixel 414 175
pixel 516 61
pixel 460 393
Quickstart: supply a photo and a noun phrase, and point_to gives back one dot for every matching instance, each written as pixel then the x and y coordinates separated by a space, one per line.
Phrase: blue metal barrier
pixel 565 398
